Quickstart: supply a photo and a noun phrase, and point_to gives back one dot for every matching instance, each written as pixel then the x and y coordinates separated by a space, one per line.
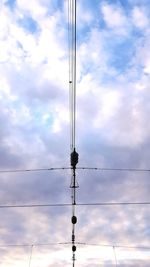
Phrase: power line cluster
pixel 73 159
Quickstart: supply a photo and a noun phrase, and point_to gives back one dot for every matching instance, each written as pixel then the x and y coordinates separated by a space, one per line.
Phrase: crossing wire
pixel 77 168
pixel 111 204
pixel 35 170
pixel 31 245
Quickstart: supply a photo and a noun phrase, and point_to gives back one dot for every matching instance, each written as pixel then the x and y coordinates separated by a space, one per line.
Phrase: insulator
pixel 74 158
pixel 73 238
pixel 74 219
pixel 73 248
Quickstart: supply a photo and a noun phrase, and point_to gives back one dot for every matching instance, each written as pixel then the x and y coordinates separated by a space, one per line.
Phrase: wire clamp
pixel 74 158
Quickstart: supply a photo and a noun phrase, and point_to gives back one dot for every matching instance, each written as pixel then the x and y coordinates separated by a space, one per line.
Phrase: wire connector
pixel 73 237
pixel 74 248
pixel 74 158
pixel 74 219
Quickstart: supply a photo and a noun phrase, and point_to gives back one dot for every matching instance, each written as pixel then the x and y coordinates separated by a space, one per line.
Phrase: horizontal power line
pixel 116 246
pixel 77 243
pixel 77 204
pixel 35 170
pixel 114 169
pixel 35 244
pixel 78 168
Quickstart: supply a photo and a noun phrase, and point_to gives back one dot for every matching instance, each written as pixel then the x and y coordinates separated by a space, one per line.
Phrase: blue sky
pixel 113 77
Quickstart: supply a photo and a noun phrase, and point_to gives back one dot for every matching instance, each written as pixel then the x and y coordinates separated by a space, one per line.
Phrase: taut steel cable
pixel 72 100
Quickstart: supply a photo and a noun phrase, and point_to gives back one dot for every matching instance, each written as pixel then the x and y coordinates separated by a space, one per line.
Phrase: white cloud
pixel 139 18
pixel 85 16
pixel 142 55
pixel 91 56
pixel 35 8
pixel 115 18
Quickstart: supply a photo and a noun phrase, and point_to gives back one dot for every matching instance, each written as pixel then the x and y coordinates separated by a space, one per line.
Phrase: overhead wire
pixel 72 90
pixel 35 170
pixel 123 246
pixel 74 84
pixel 73 70
pixel 115 256
pixel 72 100
pixel 114 169
pixel 32 245
pixel 77 168
pixel 30 258
pixel 70 70
pixel 76 204
pixel 115 245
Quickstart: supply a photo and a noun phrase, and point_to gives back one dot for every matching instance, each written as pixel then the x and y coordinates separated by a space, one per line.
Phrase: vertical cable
pixel 75 59
pixel 72 99
pixel 30 258
pixel 72 61
pixel 115 256
pixel 72 68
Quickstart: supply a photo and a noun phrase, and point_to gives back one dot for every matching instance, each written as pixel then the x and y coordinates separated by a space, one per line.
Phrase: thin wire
pixel 70 40
pixel 75 59
pixel 70 19
pixel 77 204
pixel 34 205
pixel 78 168
pixel 73 121
pixel 31 252
pixel 72 67
pixel 78 243
pixel 35 170
pixel 115 256
pixel 114 169
pixel 72 95
pixel 35 245
pixel 116 246
pixel 73 70
pixel 112 203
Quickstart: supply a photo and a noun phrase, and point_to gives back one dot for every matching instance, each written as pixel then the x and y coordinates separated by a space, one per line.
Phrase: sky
pixel 112 131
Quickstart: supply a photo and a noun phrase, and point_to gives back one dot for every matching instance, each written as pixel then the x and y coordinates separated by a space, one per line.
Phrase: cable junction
pixel 72 101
